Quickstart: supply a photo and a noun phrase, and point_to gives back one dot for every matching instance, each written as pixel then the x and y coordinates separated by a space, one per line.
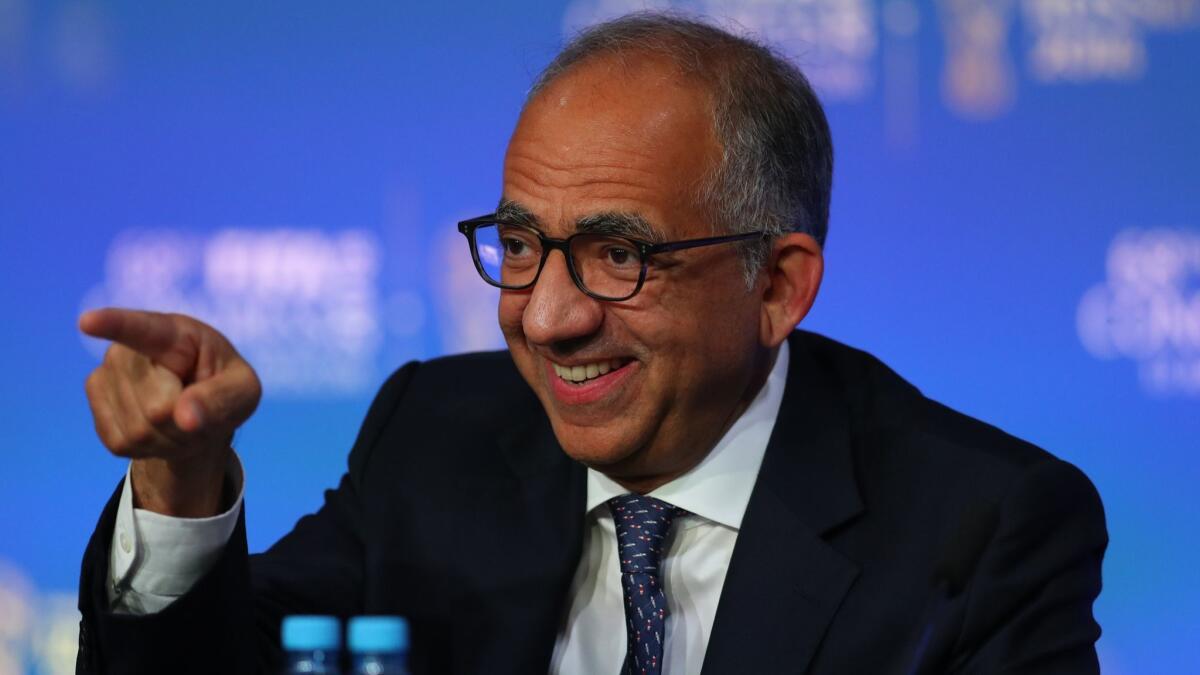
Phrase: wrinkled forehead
pixel 638 130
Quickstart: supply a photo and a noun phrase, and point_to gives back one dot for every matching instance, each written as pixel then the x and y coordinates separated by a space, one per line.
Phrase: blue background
pixel 960 247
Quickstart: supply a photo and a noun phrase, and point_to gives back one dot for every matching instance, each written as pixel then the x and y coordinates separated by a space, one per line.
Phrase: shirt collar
pixel 718 488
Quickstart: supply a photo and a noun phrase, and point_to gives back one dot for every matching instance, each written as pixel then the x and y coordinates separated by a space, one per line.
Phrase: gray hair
pixel 776 167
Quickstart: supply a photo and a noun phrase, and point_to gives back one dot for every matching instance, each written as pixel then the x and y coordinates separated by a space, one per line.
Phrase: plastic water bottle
pixel 311 645
pixel 378 645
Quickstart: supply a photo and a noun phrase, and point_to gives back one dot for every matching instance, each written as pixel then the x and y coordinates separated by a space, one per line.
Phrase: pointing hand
pixel 169 395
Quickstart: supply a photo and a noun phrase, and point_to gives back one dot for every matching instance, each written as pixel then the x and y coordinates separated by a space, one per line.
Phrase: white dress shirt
pixel 156 558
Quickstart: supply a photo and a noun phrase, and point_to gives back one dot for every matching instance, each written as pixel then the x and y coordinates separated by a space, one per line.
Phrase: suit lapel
pixel 533 523
pixel 785 583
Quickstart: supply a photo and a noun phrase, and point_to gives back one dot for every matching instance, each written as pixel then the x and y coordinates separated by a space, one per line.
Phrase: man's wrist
pixel 194 487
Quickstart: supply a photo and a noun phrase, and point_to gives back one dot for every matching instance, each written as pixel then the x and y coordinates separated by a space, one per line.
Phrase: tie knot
pixel 642 526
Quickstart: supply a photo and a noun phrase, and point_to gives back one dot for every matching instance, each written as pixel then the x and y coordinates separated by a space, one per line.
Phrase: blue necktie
pixel 642 527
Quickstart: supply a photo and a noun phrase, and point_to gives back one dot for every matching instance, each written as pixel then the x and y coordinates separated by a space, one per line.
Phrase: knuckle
pixel 160 411
pixel 115 441
pixel 139 434
pixel 108 437
pixel 93 382
pixel 114 354
pixel 158 398
pixel 255 387
pixel 246 375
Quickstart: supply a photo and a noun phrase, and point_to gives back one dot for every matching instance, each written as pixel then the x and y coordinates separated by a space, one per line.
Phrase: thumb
pixel 219 403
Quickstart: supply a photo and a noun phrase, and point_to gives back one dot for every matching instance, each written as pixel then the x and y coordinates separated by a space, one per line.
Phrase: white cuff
pixel 154 559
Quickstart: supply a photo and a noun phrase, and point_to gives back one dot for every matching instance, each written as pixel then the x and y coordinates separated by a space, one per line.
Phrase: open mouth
pixel 582 374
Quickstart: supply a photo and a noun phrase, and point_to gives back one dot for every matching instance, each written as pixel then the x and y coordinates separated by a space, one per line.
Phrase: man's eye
pixel 514 246
pixel 619 256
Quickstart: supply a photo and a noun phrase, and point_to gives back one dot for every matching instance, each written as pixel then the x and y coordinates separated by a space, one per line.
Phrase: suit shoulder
pixel 901 422
pixel 454 404
pixel 465 387
pixel 471 375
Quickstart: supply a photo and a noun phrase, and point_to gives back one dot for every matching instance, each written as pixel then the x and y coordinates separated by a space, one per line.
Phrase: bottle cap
pixel 377 634
pixel 302 633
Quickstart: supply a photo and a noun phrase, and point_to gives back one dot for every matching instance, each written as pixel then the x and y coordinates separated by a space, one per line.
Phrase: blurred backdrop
pixel 1015 228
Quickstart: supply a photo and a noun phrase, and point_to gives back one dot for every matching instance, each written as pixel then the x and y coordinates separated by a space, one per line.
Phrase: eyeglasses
pixel 606 267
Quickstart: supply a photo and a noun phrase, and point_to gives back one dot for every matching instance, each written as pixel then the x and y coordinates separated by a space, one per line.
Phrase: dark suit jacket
pixel 460 512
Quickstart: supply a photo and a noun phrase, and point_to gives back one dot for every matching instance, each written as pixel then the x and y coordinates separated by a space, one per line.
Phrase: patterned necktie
pixel 642 527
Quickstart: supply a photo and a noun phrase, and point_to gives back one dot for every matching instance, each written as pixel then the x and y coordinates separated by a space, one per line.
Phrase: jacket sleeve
pixel 228 622
pixel 1029 607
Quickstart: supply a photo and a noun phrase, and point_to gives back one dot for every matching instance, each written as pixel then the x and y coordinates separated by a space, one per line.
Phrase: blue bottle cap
pixel 377 634
pixel 303 633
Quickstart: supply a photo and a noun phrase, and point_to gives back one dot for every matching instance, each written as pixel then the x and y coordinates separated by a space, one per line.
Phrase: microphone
pixel 954 569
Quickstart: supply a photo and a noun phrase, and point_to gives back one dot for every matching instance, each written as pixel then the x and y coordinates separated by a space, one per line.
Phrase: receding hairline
pixel 696 49
pixel 620 66
pixel 685 66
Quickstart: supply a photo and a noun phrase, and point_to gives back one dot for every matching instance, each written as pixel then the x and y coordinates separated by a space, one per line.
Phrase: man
pixel 671 479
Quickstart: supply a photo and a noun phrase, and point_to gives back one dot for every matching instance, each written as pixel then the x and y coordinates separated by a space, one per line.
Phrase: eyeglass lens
pixel 510 256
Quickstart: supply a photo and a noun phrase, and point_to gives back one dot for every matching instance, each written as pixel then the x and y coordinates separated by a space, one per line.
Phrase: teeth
pixel 584 373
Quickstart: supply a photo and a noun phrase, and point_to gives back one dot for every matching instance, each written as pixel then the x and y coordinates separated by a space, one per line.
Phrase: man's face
pixel 682 355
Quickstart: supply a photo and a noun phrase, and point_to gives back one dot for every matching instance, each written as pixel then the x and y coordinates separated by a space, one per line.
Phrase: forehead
pixel 628 135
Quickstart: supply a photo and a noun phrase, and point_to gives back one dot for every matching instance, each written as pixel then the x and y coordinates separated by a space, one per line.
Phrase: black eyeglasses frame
pixel 645 250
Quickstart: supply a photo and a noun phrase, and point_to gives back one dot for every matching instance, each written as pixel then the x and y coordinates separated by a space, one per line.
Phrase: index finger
pixel 149 333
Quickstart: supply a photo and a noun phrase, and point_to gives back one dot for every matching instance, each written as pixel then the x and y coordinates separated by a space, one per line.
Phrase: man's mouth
pixel 590 382
pixel 578 374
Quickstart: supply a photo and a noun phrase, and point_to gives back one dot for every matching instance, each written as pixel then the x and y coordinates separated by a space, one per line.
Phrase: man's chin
pixel 598 451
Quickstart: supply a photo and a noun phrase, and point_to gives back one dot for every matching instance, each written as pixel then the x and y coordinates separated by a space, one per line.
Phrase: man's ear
pixel 790 281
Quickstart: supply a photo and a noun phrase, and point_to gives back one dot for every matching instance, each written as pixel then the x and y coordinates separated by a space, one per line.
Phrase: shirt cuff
pixel 154 559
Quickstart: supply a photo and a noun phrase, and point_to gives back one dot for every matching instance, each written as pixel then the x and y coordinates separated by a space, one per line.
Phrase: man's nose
pixel 558 310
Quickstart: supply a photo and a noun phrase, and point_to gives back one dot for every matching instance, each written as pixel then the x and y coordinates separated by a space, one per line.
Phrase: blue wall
pixel 1015 228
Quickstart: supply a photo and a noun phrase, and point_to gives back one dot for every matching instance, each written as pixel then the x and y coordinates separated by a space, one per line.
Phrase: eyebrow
pixel 512 212
pixel 618 223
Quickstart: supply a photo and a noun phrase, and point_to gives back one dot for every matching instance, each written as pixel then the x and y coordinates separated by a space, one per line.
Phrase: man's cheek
pixel 511 311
